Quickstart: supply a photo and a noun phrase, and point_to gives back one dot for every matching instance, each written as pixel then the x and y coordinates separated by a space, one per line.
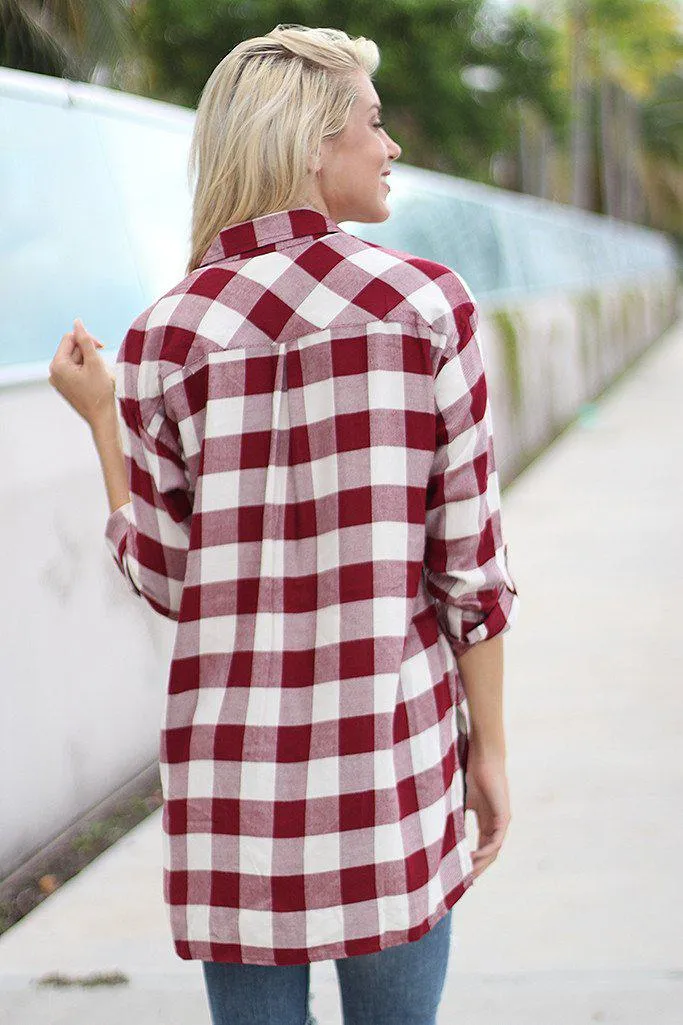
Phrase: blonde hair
pixel 263 114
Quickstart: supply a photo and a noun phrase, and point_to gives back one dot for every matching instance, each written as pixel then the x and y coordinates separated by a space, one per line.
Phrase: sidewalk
pixel 580 920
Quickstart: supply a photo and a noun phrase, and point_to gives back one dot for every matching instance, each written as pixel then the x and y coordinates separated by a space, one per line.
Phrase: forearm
pixel 105 432
pixel 481 672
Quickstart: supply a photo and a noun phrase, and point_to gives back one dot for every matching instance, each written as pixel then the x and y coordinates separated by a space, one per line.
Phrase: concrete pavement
pixel 580 919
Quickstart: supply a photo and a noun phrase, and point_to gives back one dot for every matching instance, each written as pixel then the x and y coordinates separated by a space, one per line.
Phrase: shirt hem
pixel 241 954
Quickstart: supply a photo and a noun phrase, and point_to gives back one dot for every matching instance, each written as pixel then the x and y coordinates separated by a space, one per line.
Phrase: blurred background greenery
pixel 578 101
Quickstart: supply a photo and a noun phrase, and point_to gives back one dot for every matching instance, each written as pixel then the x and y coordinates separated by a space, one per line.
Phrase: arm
pixel 85 382
pixel 466 571
pixel 481 672
pixel 105 432
pixel 148 529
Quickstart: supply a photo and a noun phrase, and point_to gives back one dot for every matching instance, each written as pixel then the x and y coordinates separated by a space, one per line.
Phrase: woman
pixel 308 488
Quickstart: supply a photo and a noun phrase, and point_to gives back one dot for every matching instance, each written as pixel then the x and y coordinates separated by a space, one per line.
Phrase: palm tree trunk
pixel 545 156
pixel 609 155
pixel 581 114
pixel 636 207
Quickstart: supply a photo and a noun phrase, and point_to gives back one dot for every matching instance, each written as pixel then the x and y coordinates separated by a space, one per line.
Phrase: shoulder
pixel 166 333
pixel 434 293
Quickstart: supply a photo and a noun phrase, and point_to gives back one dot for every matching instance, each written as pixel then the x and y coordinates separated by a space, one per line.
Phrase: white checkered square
pixel 225 416
pixel 326 701
pixel 217 634
pixel 464 518
pixel 272 558
pixel 433 821
pixel 390 540
pixel 319 400
pixel 388 465
pixel 384 687
pixel 450 384
pixel 209 704
pixel 321 852
pixel 257 782
pixel 266 269
pixel 200 778
pixel 321 306
pixel 415 674
pixel 220 562
pixel 430 302
pixel 200 855
pixel 263 706
pixel 220 324
pixel 327 625
pixel 325 476
pixel 256 855
pixel 162 312
pixel 322 925
pixel 425 749
pixel 328 550
pixel 374 261
pixel 269 631
pixel 323 777
pixel 394 909
pixel 257 926
pixel 388 841
pixel 187 429
pixel 198 917
pixel 220 490
pixel 386 389
pixel 389 617
pixel 149 380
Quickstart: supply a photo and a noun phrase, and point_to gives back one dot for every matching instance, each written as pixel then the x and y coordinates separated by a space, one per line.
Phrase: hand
pixel 488 797
pixel 80 374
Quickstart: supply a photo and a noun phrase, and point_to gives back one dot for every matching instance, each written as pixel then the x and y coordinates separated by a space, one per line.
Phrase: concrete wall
pixel 84 663
pixel 549 355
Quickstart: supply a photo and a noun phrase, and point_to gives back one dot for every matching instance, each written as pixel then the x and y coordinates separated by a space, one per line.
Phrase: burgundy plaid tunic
pixel 314 500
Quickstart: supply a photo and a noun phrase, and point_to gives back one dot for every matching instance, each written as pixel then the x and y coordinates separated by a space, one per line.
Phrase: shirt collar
pixel 268 230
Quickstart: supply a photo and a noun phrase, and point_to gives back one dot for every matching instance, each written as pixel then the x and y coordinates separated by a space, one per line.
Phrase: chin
pixel 372 215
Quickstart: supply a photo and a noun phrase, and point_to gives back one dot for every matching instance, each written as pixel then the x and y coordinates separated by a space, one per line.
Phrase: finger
pixel 65 358
pixel 491 839
pixel 84 341
pixel 480 866
pixel 65 348
pixel 490 851
pixel 80 326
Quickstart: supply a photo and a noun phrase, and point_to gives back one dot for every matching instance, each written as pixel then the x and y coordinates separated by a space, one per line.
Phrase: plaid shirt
pixel 314 500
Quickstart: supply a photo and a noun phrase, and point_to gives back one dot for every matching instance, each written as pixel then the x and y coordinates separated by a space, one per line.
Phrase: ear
pixel 315 161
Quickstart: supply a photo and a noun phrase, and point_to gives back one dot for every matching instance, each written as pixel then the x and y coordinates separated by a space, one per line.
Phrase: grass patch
pixel 63 860
pixel 59 981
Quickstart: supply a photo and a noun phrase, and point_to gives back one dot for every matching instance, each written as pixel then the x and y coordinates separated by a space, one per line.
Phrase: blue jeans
pixel 398 986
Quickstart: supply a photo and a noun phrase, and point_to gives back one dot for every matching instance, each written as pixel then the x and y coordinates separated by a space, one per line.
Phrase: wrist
pixel 487 749
pixel 104 421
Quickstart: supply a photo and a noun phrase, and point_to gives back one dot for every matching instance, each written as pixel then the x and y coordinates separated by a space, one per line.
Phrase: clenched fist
pixel 79 373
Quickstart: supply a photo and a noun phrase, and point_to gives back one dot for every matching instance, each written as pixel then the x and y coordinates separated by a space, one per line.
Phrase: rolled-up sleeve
pixel 149 537
pixel 466 566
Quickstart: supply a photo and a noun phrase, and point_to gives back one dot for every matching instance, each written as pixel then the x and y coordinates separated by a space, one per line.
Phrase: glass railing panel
pixel 64 250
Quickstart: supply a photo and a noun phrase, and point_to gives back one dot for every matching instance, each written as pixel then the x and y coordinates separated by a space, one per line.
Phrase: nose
pixel 393 149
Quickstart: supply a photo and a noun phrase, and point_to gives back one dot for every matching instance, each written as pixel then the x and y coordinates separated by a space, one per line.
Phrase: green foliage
pixel 469 87
pixel 510 339
pixel 439 119
pixel 663 118
pixel 527 51
pixel 635 42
